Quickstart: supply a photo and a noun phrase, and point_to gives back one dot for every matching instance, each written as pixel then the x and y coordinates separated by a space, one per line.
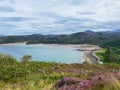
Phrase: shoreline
pixel 24 43
pixel 91 58
pixel 88 50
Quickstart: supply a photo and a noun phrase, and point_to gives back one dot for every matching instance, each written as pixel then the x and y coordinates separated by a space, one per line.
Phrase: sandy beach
pixel 24 43
pixel 89 55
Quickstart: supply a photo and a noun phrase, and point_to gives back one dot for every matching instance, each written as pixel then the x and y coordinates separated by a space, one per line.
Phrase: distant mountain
pixel 117 30
pixel 89 31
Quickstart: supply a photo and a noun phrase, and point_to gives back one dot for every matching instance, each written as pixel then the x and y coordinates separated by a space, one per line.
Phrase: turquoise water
pixel 44 52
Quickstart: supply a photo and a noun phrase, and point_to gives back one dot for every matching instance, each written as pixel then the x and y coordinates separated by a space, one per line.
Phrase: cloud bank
pixel 58 16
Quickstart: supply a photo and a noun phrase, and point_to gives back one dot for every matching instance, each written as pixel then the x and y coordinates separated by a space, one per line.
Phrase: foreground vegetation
pixel 30 75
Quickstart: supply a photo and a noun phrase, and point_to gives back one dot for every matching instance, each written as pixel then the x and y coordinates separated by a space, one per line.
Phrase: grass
pixel 112 83
pixel 100 54
pixel 44 75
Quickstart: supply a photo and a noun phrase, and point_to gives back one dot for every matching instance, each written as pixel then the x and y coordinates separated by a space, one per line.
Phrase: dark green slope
pixel 97 38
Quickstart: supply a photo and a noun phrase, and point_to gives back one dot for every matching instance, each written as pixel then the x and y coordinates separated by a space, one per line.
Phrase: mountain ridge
pixel 87 37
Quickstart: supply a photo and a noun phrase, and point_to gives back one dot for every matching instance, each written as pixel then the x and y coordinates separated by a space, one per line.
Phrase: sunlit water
pixel 44 52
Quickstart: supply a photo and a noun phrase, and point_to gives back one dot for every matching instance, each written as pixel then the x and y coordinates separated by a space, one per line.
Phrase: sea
pixel 44 52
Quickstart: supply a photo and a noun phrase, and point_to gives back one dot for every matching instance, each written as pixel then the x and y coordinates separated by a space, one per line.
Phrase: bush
pixel 26 58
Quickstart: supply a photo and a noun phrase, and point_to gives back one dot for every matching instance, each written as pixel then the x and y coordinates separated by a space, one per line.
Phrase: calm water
pixel 47 53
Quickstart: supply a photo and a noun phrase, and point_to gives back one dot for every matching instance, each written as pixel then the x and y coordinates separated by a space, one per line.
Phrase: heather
pixel 33 75
pixel 101 81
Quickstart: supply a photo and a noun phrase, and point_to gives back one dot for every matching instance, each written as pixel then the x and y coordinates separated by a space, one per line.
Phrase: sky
pixel 18 17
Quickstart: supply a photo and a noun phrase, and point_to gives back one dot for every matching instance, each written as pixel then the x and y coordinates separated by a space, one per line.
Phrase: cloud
pixel 13 19
pixel 61 21
pixel 58 16
pixel 6 9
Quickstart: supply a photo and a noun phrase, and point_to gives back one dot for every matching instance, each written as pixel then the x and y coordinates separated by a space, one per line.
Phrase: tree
pixel 110 55
pixel 26 58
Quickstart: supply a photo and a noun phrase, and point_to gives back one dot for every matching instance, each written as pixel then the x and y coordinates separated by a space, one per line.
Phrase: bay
pixel 44 52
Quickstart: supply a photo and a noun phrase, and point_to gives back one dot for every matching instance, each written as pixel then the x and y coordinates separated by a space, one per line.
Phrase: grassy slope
pixel 42 76
pixel 100 54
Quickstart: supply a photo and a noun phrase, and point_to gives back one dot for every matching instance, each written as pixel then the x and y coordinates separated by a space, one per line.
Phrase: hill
pixel 87 37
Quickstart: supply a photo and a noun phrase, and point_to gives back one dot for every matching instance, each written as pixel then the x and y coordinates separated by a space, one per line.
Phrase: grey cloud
pixel 73 21
pixel 12 1
pixel 58 16
pixel 6 9
pixel 50 14
pixel 85 13
pixel 13 19
pixel 2 25
pixel 60 21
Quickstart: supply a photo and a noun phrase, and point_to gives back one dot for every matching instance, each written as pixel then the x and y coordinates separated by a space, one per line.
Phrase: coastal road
pixel 91 58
